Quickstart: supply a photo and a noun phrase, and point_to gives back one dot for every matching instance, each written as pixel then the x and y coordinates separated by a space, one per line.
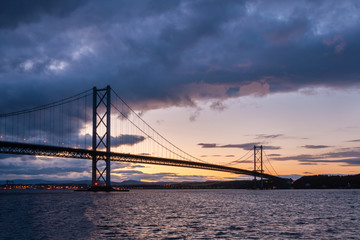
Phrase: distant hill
pixel 326 181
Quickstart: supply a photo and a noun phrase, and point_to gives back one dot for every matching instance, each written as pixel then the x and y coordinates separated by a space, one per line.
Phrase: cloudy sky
pixel 214 77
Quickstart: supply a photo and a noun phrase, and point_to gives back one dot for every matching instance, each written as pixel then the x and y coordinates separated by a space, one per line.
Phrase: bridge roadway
pixel 66 152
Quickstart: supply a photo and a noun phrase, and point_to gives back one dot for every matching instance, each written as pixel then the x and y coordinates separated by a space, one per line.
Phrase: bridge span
pixel 66 152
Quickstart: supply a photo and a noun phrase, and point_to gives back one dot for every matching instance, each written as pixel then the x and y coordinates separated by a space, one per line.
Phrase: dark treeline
pixel 326 181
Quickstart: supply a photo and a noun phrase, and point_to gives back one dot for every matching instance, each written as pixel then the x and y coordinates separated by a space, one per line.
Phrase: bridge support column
pixel 101 139
pixel 258 165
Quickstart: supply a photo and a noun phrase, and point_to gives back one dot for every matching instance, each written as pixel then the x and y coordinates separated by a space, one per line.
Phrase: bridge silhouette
pixel 100 126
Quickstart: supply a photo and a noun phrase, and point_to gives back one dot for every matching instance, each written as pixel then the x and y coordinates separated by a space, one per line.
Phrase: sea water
pixel 180 214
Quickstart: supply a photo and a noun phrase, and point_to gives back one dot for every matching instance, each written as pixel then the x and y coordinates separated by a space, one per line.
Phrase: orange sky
pixel 314 133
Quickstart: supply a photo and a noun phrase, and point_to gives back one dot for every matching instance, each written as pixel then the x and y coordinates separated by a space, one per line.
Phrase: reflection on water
pixel 181 214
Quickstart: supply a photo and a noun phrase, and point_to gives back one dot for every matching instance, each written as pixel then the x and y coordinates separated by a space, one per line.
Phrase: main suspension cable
pixel 137 115
pixel 270 163
pixel 238 160
pixel 49 105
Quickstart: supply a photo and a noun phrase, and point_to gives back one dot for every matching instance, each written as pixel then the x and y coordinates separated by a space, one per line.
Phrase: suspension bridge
pixel 100 126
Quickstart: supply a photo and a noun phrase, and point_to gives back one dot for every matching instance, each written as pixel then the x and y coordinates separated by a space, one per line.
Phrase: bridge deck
pixel 65 152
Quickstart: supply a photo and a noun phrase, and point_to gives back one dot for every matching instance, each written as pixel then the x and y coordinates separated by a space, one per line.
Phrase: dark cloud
pixel 348 156
pixel 13 13
pixel 248 146
pixel 60 171
pixel 194 115
pixel 186 50
pixel 52 168
pixel 355 140
pixel 274 155
pixel 19 157
pixel 268 136
pixel 348 161
pixel 245 146
pixel 232 91
pixel 219 106
pixel 126 140
pixel 49 168
pixel 208 145
pixel 271 147
pixel 297 157
pixel 344 153
pixel 315 146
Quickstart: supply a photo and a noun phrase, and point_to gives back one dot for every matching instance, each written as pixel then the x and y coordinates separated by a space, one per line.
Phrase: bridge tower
pixel 101 138
pixel 258 164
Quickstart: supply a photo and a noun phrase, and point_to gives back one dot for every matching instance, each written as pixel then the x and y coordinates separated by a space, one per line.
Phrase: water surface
pixel 181 214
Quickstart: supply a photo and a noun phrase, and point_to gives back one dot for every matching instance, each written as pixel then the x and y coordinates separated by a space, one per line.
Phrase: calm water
pixel 181 214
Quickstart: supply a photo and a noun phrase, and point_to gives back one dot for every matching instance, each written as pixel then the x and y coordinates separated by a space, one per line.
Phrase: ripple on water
pixel 181 214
